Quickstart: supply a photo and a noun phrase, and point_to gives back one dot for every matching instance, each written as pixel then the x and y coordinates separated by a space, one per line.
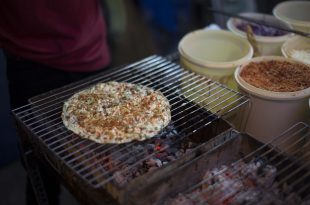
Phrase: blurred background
pixel 137 28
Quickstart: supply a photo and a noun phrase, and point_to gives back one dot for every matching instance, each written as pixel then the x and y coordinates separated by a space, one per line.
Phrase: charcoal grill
pixel 287 183
pixel 106 173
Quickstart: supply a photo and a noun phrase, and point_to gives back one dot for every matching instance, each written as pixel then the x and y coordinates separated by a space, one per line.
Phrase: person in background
pixel 48 44
pixel 168 21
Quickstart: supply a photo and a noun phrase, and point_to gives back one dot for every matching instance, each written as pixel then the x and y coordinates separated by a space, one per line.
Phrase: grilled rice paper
pixel 116 112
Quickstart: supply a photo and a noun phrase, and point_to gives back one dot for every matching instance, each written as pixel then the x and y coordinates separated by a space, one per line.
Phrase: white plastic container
pixel 297 43
pixel 271 113
pixel 267 45
pixel 294 13
pixel 214 53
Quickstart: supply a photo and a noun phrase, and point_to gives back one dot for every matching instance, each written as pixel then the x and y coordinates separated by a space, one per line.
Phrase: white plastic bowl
pixel 271 113
pixel 296 43
pixel 214 53
pixel 294 13
pixel 267 45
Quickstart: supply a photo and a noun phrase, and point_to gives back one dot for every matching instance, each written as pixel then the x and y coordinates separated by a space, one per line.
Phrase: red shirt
pixel 64 34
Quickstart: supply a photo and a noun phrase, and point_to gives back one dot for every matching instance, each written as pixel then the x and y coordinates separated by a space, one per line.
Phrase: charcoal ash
pixel 181 200
pixel 239 183
pixel 255 195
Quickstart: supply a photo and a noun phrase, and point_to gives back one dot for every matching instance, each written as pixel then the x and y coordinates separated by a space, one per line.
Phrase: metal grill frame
pixel 32 129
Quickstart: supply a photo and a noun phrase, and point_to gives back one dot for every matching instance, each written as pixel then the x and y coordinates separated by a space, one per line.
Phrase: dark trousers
pixel 25 80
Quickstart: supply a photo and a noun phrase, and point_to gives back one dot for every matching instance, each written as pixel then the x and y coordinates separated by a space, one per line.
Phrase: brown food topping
pixel 277 76
pixel 110 112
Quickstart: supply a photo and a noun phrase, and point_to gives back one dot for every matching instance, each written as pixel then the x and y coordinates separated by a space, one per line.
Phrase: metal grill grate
pixel 196 103
pixel 274 173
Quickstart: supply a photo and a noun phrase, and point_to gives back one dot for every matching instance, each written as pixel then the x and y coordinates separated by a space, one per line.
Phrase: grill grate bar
pixel 137 143
pixel 74 166
pixel 76 151
pixel 223 108
pixel 116 71
pixel 98 155
pixel 219 199
pixel 283 181
pixel 66 149
pixel 70 138
pixel 57 114
pixel 174 122
pixel 104 181
pixel 43 125
pixel 172 111
pixel 66 139
pixel 304 189
pixel 181 138
pixel 117 77
pixel 55 137
pixel 279 184
pixel 147 157
pixel 201 108
pixel 270 148
pixel 299 189
pixel 70 142
pixel 45 128
pixel 52 132
pixel 90 143
pixel 48 127
pixel 287 166
pixel 192 97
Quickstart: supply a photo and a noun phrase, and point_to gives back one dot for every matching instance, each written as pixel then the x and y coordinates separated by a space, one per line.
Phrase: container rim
pixel 215 64
pixel 276 12
pixel 295 43
pixel 271 95
pixel 231 25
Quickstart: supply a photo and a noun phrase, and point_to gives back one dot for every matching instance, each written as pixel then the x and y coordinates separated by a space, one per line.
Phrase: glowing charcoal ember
pixel 127 163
